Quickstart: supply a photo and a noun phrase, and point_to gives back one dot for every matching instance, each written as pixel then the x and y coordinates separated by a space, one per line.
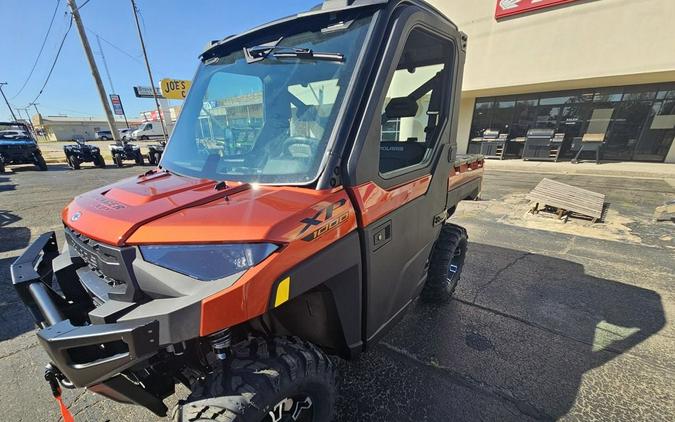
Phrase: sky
pixel 175 33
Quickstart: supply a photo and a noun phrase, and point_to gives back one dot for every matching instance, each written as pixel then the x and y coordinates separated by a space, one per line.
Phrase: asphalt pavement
pixel 550 320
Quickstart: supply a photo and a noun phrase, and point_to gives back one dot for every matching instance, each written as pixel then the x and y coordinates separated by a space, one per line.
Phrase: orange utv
pixel 299 207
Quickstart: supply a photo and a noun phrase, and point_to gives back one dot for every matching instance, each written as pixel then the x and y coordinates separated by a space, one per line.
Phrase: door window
pixel 412 114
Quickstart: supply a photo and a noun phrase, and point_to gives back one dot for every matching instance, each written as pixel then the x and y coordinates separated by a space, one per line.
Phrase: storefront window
pixel 637 122
pixel 481 118
pixel 502 116
pixel 525 117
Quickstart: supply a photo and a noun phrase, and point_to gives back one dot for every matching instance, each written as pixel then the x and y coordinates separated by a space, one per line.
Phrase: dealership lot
pixel 550 320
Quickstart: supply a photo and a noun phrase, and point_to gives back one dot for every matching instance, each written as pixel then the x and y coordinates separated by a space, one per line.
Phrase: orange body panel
pixel 465 173
pixel 249 297
pixel 375 202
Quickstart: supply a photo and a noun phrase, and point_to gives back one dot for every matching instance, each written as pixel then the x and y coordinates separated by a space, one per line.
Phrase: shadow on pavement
pixel 12 238
pixel 514 344
pixel 5 184
pixel 14 318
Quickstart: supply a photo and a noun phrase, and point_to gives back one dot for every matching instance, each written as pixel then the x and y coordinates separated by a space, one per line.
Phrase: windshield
pixel 14 132
pixel 268 121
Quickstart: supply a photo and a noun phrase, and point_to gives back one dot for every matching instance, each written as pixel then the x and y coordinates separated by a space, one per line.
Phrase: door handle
pixel 381 235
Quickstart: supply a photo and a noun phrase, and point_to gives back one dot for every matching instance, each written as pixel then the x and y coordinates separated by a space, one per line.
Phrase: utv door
pixel 401 159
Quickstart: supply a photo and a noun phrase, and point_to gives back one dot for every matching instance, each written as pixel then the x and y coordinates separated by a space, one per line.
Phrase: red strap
pixel 65 413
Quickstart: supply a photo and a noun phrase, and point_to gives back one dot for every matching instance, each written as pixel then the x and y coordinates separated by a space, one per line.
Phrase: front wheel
pixel 2 165
pixel 99 161
pixel 278 379
pixel 40 162
pixel 117 158
pixel 139 158
pixel 74 162
pixel 446 264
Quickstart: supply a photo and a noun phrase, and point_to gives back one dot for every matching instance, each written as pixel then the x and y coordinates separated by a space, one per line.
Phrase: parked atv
pixel 123 151
pixel 155 152
pixel 83 153
pixel 17 146
pixel 252 255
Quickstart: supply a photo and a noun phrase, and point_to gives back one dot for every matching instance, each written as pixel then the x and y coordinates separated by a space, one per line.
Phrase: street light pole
pixel 147 65
pixel 94 70
pixel 7 102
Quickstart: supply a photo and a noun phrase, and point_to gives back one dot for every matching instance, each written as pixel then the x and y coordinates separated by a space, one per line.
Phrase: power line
pixel 56 58
pixel 51 22
pixel 131 56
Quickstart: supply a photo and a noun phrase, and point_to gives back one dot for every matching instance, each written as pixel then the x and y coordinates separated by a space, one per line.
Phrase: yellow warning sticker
pixel 283 291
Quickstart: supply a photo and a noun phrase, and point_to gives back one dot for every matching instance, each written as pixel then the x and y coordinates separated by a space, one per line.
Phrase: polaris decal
pixel 328 223
pixel 106 204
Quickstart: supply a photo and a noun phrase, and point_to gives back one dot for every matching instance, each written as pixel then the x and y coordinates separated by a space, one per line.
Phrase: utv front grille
pixel 98 257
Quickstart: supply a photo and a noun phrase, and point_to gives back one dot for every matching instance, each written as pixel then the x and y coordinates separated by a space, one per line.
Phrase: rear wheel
pixel 279 379
pixel 40 162
pixel 139 158
pixel 446 264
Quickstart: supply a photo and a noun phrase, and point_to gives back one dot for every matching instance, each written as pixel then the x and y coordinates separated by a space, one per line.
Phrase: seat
pixel 397 155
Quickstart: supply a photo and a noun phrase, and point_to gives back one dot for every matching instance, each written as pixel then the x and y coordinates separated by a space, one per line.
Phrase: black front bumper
pixel 86 354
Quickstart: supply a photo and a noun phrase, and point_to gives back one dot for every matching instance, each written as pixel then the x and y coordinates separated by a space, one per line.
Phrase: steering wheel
pixel 312 143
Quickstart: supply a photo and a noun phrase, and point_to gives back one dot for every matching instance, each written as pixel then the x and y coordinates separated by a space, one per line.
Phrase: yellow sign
pixel 175 89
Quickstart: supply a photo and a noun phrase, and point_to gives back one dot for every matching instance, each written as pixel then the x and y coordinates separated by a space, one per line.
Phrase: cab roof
pixel 290 23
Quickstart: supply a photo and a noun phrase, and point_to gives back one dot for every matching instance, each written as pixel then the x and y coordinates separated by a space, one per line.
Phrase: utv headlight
pixel 135 147
pixel 94 149
pixel 208 262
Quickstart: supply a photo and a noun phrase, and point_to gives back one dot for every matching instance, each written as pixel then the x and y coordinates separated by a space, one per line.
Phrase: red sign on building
pixel 516 7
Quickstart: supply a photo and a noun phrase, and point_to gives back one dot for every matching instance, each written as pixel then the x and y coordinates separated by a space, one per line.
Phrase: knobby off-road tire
pixel 446 264
pixel 2 165
pixel 158 157
pixel 117 158
pixel 73 162
pixel 260 377
pixel 40 162
pixel 99 161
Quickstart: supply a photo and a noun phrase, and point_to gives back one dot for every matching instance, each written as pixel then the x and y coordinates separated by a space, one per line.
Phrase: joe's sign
pixel 515 7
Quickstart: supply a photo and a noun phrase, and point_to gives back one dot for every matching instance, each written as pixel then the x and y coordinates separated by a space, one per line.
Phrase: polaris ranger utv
pixel 238 273
pixel 82 153
pixel 17 146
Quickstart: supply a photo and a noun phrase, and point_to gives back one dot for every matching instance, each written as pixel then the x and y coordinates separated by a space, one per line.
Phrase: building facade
pixel 574 66
pixel 66 128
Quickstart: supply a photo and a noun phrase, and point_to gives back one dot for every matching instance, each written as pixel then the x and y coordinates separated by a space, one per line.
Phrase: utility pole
pixel 7 102
pixel 94 70
pixel 35 106
pixel 107 72
pixel 30 122
pixel 147 65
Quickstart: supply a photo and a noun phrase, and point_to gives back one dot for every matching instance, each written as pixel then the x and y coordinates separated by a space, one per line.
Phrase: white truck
pixel 149 130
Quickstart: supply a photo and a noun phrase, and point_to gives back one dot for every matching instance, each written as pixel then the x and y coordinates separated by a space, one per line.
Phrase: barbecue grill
pixel 543 144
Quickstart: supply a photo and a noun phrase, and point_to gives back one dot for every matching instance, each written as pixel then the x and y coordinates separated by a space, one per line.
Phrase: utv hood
pixel 166 208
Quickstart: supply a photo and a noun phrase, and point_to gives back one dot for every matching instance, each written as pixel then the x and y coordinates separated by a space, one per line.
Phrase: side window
pixel 149 127
pixel 412 115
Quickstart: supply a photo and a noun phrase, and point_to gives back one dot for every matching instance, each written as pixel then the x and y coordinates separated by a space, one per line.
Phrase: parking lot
pixel 550 320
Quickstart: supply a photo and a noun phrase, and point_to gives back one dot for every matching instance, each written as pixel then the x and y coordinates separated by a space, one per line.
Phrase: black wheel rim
pixel 297 408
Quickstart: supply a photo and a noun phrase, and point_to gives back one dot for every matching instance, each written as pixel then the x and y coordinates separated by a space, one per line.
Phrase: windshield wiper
pixel 261 52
